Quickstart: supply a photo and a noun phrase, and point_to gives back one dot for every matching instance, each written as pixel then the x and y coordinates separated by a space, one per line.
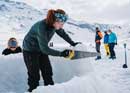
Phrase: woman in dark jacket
pixel 36 50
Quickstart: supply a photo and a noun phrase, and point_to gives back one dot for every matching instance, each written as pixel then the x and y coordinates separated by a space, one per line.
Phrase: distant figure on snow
pixel 98 38
pixel 112 42
pixel 106 45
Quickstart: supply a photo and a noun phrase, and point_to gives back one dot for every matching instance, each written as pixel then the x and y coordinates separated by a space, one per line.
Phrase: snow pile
pixel 86 84
pixel 13 77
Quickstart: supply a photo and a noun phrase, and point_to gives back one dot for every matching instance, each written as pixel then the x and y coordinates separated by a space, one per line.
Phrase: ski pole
pixel 125 65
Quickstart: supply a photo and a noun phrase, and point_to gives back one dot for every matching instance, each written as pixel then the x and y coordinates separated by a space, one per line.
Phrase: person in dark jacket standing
pixel 112 42
pixel 36 50
pixel 106 45
pixel 98 38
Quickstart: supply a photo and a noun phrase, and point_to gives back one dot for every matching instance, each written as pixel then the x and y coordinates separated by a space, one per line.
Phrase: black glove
pixel 116 43
pixel 65 53
pixel 76 43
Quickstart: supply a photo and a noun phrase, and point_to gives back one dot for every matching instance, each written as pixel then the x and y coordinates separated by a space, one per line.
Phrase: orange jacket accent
pixel 100 34
pixel 98 37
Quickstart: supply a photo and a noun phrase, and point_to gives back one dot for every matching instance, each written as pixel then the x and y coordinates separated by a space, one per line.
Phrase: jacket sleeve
pixel 43 43
pixel 115 38
pixel 65 36
pixel 104 39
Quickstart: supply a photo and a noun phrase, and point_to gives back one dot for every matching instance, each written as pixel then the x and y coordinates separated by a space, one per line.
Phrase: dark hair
pixel 110 30
pixel 50 19
pixel 105 32
pixel 97 28
pixel 12 38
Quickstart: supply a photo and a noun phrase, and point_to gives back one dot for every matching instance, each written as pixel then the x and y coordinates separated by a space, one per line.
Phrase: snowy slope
pixel 80 76
pixel 16 18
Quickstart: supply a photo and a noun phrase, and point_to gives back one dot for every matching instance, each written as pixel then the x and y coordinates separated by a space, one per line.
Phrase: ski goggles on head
pixel 61 17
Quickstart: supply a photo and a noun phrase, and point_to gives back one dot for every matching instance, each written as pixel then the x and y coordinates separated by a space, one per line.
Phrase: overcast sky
pixel 100 11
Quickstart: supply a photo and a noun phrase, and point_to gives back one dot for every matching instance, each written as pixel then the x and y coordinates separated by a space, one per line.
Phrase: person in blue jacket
pixel 112 42
pixel 106 45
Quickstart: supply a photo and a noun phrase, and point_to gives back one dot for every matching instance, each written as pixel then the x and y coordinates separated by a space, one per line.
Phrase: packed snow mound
pixel 13 76
pixel 105 76
pixel 87 84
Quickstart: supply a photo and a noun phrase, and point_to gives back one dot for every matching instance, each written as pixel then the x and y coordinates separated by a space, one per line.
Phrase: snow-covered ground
pixel 78 76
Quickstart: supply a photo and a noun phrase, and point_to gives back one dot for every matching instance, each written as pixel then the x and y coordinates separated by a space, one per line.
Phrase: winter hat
pixel 61 17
